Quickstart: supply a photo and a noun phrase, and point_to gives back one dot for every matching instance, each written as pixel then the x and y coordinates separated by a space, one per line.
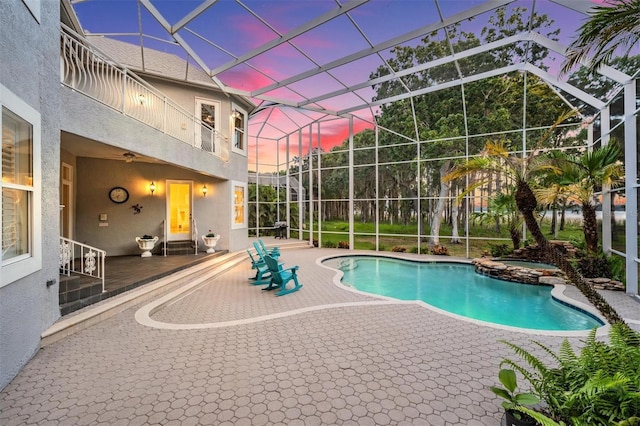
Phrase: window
pixel 239 125
pixel 239 205
pixel 20 188
pixel 209 113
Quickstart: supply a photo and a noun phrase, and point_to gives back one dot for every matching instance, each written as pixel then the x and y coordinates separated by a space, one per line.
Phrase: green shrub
pixel 413 249
pixel 594 267
pixel 329 244
pixel 600 385
pixel 399 249
pixel 499 250
pixel 618 268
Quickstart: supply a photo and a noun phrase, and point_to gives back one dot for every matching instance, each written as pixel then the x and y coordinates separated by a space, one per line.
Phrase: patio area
pixel 227 353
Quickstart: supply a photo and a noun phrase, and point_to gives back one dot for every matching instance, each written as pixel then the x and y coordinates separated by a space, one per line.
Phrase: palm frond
pixel 610 28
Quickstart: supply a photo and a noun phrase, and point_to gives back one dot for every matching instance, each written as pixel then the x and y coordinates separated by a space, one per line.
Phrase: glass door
pixel 179 202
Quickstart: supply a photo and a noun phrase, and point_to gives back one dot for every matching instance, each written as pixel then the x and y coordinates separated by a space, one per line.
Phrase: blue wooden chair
pixel 262 252
pixel 272 251
pixel 263 276
pixel 280 276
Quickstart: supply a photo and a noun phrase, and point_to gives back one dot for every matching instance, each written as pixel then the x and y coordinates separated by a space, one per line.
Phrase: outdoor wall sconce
pixel 152 187
pixel 141 98
pixel 204 190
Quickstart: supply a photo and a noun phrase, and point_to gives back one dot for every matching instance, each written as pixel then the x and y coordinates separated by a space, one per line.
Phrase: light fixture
pixel 204 190
pixel 141 98
pixel 152 187
pixel 236 114
pixel 128 157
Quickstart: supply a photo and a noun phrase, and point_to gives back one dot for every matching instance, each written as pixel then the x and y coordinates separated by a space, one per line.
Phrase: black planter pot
pixel 511 420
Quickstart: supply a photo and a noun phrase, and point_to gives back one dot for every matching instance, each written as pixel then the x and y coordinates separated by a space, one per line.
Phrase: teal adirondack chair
pixel 272 251
pixel 262 252
pixel 280 276
pixel 263 276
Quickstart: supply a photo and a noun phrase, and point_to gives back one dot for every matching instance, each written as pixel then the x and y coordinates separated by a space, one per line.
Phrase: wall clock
pixel 118 195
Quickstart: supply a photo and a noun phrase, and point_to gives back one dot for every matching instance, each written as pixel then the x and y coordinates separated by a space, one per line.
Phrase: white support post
pixel 300 198
pixel 319 195
pixel 605 128
pixel 377 132
pixel 311 187
pixel 287 182
pixel 351 239
pixel 631 186
pixel 278 180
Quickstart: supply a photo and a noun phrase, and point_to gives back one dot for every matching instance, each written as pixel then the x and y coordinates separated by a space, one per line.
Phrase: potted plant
pixel 514 403
pixel 146 244
pixel 210 240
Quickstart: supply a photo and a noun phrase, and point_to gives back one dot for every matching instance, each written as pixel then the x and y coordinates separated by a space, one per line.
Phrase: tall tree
pixel 583 175
pixel 496 158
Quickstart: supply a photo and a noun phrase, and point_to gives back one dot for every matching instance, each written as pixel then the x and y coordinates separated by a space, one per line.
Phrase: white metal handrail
pixel 194 235
pixel 165 232
pixel 87 70
pixel 81 259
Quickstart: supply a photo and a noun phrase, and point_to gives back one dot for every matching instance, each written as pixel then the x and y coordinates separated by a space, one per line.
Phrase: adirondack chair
pixel 263 276
pixel 254 262
pixel 280 276
pixel 272 251
pixel 263 252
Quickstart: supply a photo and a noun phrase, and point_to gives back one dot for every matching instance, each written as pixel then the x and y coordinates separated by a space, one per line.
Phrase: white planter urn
pixel 146 245
pixel 210 242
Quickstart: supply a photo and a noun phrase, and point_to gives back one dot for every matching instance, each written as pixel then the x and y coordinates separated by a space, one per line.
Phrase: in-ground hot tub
pixel 519 271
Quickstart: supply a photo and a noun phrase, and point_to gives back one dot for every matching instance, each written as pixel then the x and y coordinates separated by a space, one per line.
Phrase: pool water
pixel 457 288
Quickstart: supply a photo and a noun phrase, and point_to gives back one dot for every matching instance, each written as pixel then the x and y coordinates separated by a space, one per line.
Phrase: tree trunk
pixel 590 227
pixel 455 236
pixel 434 238
pixel 527 203
pixel 516 237
pixel 562 215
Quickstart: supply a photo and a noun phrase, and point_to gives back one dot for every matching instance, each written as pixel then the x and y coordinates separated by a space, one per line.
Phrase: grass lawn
pixel 406 236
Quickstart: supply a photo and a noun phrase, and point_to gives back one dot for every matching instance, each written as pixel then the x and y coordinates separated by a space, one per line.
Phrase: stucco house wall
pixel 30 69
pixel 117 233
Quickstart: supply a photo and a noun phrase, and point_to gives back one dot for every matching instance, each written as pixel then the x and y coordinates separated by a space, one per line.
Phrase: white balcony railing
pixel 88 71
pixel 81 259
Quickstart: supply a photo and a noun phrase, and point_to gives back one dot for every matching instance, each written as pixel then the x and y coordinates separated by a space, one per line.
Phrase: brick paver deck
pixel 217 355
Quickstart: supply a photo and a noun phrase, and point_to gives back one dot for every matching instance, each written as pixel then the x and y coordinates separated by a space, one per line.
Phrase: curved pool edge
pixel 557 293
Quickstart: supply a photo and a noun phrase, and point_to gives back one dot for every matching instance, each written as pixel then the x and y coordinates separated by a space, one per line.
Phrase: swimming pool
pixel 456 288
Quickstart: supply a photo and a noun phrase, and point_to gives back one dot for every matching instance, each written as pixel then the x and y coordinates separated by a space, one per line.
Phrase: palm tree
pixel 496 159
pixel 583 175
pixel 612 26
pixel 502 209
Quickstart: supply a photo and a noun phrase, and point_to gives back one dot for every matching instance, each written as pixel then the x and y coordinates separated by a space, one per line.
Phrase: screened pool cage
pixel 355 192
pixel 362 106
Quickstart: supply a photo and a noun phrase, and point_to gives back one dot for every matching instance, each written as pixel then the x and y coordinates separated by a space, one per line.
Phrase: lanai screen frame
pixel 184 30
pixel 631 186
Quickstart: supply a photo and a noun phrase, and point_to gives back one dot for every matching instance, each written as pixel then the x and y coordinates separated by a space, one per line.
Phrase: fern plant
pixel 600 385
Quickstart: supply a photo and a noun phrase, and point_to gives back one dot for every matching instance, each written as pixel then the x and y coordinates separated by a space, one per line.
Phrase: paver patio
pixel 328 356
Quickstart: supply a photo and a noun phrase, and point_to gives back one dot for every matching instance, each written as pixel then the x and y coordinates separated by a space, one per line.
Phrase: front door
pixel 179 202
